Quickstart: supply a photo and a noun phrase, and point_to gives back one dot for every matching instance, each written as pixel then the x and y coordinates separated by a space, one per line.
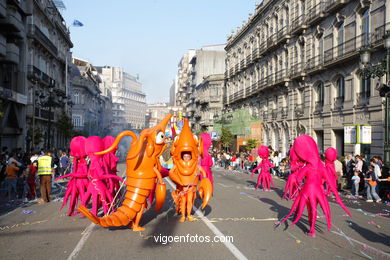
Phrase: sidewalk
pixel 7 206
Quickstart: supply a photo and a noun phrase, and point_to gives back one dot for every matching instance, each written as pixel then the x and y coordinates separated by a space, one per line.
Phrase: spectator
pixel 339 170
pixel 371 179
pixel 11 178
pixel 355 184
pixel 13 158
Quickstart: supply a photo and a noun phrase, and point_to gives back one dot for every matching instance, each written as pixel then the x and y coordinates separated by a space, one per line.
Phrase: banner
pixel 365 134
pixel 350 134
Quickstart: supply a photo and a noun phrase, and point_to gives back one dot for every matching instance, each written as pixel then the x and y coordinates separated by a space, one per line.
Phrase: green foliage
pixel 38 135
pixel 251 143
pixel 227 137
pixel 65 125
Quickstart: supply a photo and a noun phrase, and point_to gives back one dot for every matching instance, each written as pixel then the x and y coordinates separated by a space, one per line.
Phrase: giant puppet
pixel 207 161
pixel 142 175
pixel 292 186
pixel 314 175
pixel 185 173
pixel 264 177
pixel 78 183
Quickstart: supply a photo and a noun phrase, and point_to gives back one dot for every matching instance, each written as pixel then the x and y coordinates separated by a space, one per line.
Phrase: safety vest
pixel 44 165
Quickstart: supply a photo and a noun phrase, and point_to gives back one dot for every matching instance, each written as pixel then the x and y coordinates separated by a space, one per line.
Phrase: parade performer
pixel 207 161
pixel 314 174
pixel 110 161
pixel 141 175
pixel 264 177
pixel 292 186
pixel 185 173
pixel 78 183
pixel 330 158
pixel 97 189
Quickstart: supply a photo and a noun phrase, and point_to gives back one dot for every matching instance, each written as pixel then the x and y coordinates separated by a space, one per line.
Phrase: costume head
pixel 93 144
pixel 77 146
pixel 306 149
pixel 185 142
pixel 330 154
pixel 263 152
pixel 108 141
pixel 206 141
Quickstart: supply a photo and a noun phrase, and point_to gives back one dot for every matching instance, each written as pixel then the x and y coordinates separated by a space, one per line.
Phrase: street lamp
pixel 380 70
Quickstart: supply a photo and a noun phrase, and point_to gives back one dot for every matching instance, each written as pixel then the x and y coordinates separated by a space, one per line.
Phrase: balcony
pixel 249 59
pixel 298 24
pixel 271 41
pixel 281 76
pixel 12 54
pixel 284 112
pixel 39 36
pixel 282 35
pixel 262 47
pixel 376 38
pixel 338 102
pixel 12 21
pixel 299 110
pixel 345 50
pixel 236 96
pixel 334 5
pixel 315 63
pixel 236 68
pixel 242 64
pixel 231 72
pixel 36 75
pixel 315 13
pixel 255 54
pixel 318 107
pixel 297 70
pixel 362 99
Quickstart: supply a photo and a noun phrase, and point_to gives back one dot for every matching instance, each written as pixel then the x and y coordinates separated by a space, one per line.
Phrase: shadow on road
pixel 283 211
pixel 370 235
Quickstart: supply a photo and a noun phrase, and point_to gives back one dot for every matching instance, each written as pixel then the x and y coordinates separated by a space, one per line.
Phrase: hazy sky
pixel 149 37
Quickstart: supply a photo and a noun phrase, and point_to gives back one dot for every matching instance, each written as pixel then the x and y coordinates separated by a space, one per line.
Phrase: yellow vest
pixel 44 165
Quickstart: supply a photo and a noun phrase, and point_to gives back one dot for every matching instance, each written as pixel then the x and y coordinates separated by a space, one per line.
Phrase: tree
pixel 251 143
pixel 65 125
pixel 227 137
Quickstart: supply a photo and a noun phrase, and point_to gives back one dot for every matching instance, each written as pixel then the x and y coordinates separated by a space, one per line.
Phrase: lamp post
pixel 380 70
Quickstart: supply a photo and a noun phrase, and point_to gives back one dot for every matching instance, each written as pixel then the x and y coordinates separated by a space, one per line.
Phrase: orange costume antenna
pixel 142 174
pixel 185 152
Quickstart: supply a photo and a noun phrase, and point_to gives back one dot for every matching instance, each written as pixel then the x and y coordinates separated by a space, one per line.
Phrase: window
pixel 77 120
pixel 76 98
pixel 340 88
pixel 340 39
pixel 365 87
pixel 365 27
pixel 320 93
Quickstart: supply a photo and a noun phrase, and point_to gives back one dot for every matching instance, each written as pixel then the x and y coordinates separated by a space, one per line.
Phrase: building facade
pixel 35 50
pixel 89 105
pixel 129 101
pixel 13 60
pixel 157 111
pixel 208 102
pixel 184 79
pixel 295 65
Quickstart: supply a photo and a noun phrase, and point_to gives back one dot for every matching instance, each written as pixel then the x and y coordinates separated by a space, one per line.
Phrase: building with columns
pixel 129 101
pixel 295 65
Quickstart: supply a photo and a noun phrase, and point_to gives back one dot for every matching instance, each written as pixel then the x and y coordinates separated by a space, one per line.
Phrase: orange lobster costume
pixel 142 174
pixel 185 173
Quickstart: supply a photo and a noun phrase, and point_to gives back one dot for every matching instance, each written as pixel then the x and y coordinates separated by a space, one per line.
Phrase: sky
pixel 149 37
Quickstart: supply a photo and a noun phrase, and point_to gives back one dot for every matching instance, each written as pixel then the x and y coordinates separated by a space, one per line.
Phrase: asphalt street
pixel 244 216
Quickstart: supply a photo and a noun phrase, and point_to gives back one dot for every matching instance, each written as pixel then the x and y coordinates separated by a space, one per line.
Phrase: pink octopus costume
pixel 78 183
pixel 330 157
pixel 97 189
pixel 292 186
pixel 264 176
pixel 312 191
pixel 110 161
pixel 206 161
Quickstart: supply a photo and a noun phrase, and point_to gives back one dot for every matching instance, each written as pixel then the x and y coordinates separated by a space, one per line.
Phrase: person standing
pixel 339 170
pixel 11 179
pixel 45 172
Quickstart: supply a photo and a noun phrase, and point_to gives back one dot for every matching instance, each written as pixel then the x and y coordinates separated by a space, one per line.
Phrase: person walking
pixel 371 179
pixel 45 172
pixel 11 179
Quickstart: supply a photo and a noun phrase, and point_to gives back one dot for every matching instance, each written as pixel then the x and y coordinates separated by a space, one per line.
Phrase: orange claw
pixel 88 214
pixel 161 191
pixel 205 190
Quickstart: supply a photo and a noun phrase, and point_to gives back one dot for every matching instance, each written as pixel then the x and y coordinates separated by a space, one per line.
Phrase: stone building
pixel 129 101
pixel 89 105
pixel 295 65
pixel 184 79
pixel 157 111
pixel 34 53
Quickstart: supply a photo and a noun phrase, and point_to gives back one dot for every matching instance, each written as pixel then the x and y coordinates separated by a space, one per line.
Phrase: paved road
pixel 236 210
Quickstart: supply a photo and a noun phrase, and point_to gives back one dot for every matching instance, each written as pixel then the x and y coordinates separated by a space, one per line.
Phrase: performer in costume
pixel 207 161
pixel 264 177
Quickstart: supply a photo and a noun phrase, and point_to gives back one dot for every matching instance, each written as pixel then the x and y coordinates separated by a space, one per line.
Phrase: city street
pixel 237 211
